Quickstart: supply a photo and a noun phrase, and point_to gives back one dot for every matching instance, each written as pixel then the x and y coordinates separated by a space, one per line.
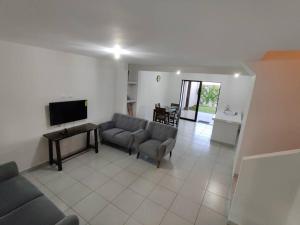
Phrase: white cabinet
pixel 226 128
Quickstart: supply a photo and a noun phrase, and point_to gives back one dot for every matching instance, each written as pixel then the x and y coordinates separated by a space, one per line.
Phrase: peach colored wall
pixel 273 122
pixel 282 55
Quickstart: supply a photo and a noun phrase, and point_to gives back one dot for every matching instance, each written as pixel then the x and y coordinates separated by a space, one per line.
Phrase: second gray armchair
pixel 156 141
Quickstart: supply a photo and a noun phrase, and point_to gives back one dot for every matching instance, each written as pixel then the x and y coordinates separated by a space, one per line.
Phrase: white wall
pixel 151 92
pixel 32 77
pixel 234 91
pixel 267 191
pixel 121 79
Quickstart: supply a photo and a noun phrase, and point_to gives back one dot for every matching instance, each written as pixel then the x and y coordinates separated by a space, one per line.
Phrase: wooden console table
pixel 57 136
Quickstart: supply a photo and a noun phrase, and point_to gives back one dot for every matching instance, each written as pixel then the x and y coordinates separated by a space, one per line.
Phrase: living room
pixel 51 76
pixel 101 60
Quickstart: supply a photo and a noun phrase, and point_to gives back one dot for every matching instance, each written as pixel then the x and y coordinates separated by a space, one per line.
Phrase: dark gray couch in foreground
pixel 121 130
pixel 156 141
pixel 21 203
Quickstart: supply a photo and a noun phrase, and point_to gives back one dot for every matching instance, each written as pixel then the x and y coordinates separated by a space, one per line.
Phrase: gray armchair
pixel 156 141
pixel 121 130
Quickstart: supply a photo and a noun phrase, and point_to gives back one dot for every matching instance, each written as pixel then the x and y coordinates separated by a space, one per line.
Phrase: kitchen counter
pixel 228 118
pixel 226 128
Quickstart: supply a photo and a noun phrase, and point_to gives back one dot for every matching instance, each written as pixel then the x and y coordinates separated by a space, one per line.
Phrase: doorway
pixel 189 99
pixel 199 100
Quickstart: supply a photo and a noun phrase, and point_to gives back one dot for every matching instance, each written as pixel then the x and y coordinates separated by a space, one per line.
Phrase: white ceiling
pixel 157 32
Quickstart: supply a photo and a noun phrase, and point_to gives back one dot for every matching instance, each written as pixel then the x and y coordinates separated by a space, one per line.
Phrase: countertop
pixel 221 116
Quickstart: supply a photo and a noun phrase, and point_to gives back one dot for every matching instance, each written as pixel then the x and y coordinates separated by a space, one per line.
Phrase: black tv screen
pixel 64 112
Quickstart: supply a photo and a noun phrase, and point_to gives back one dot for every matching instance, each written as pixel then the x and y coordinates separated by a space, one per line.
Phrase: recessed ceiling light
pixel 236 75
pixel 178 72
pixel 117 51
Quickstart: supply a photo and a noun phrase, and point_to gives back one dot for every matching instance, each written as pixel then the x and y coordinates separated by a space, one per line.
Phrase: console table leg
pixel 88 139
pixel 50 152
pixel 58 156
pixel 96 140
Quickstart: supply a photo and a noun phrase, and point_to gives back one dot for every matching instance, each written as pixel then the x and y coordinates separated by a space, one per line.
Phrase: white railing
pixel 268 190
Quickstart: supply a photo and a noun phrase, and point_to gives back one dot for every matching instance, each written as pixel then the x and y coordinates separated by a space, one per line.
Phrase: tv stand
pixel 65 131
pixel 57 136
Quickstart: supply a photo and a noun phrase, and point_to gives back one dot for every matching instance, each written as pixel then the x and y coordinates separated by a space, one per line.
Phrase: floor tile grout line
pixel 142 201
pixel 176 194
pixel 216 194
pixel 111 202
pixel 205 191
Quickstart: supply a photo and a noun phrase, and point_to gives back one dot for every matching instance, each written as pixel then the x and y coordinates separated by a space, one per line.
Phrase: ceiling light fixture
pixel 236 75
pixel 117 52
pixel 178 72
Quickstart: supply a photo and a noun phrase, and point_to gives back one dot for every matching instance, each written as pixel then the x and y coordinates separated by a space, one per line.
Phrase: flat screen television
pixel 64 112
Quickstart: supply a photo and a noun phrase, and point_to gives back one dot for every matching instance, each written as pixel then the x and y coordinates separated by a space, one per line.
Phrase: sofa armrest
pixel 8 170
pixel 132 138
pixel 166 147
pixel 106 126
pixel 69 220
pixel 134 133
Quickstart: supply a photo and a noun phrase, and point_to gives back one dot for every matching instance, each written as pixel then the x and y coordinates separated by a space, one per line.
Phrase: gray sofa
pixel 156 141
pixel 121 130
pixel 21 203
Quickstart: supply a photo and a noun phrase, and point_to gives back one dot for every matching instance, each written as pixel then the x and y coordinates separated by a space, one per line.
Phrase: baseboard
pixel 45 163
pixel 35 167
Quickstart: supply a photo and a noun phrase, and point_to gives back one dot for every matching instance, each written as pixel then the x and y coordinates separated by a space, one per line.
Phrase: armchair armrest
pixel 140 136
pixel 8 170
pixel 69 220
pixel 166 147
pixel 106 126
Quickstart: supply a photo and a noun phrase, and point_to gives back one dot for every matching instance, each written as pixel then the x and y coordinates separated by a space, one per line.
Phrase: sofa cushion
pixel 109 134
pixel 161 132
pixel 129 123
pixel 123 139
pixel 39 211
pixel 15 192
pixel 150 147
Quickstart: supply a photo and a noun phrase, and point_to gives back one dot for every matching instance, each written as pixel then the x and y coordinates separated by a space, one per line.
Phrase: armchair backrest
pixel 129 123
pixel 161 132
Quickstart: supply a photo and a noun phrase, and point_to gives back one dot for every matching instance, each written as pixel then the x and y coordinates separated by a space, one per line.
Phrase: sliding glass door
pixel 208 104
pixel 189 99
pixel 199 100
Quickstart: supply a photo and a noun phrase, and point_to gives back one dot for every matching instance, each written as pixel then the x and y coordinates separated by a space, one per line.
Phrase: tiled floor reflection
pixel 113 188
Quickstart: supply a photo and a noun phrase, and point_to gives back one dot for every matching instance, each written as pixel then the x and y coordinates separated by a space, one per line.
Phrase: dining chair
pixel 174 117
pixel 161 115
pixel 157 105
pixel 177 117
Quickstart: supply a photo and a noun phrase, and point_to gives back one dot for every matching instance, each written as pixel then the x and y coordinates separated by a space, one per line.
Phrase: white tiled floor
pixel 112 188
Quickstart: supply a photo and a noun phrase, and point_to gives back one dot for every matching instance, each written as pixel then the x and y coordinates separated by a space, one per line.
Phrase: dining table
pixel 171 112
pixel 170 109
